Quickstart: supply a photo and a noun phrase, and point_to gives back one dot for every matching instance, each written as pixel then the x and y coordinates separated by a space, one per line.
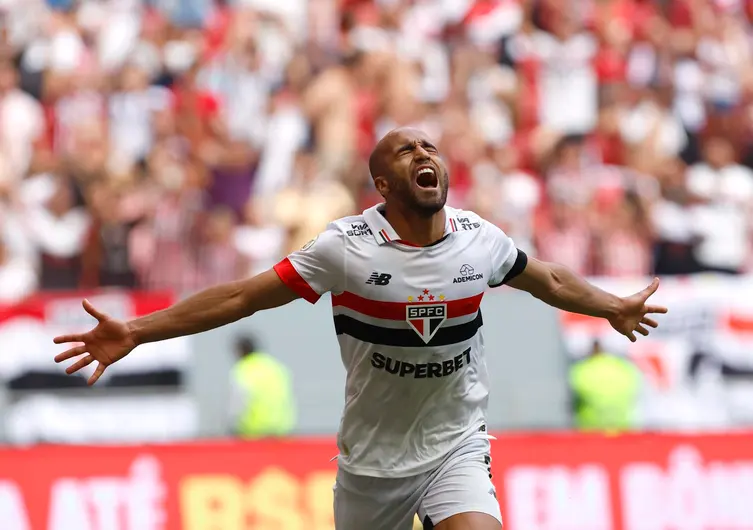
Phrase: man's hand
pixel 631 317
pixel 108 342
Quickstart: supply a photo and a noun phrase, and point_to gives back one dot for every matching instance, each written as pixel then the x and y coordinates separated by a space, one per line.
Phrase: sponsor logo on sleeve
pixel 467 224
pixel 359 229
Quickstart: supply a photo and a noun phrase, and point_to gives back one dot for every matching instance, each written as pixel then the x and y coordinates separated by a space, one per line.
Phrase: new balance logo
pixel 379 279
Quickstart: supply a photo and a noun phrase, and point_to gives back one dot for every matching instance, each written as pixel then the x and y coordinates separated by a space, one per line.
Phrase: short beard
pixel 404 193
pixel 428 210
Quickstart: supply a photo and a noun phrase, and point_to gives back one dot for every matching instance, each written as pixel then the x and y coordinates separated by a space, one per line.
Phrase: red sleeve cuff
pixel 295 281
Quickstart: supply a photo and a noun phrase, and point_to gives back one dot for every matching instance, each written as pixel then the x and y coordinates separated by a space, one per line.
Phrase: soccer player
pixel 406 277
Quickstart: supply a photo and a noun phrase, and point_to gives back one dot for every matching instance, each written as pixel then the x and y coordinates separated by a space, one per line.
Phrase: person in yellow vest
pixel 605 390
pixel 262 402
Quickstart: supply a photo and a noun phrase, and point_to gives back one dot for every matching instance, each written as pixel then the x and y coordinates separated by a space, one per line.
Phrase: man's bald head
pixel 379 158
pixel 376 159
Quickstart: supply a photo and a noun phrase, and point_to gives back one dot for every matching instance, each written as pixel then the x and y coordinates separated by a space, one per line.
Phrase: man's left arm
pixel 559 287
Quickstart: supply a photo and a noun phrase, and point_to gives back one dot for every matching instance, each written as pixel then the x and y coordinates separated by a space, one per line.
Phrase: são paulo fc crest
pixel 426 316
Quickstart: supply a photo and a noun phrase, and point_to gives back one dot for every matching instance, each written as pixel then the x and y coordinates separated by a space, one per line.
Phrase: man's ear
pixel 382 186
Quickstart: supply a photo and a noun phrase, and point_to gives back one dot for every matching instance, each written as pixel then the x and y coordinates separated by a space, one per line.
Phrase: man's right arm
pixel 307 273
pixel 213 307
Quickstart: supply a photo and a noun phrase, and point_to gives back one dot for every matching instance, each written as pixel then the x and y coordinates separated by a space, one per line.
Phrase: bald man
pixel 406 279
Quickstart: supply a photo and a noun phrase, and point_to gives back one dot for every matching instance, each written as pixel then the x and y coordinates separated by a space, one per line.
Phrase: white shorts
pixel 462 483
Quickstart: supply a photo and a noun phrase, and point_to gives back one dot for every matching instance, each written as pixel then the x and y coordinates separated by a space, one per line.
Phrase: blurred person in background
pixel 57 228
pixel 22 124
pixel 79 120
pixel 605 391
pixel 165 244
pixel 218 258
pixel 651 129
pixel 723 213
pixel 671 220
pixel 131 115
pixel 310 202
pixel 259 239
pixel 622 247
pixel 566 80
pixel 331 106
pixel 234 73
pixel 287 130
pixel 262 402
pixel 106 258
pixel 18 279
pixel 572 173
pixel 507 195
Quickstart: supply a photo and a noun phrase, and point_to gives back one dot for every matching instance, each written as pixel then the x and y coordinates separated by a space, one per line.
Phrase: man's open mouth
pixel 426 177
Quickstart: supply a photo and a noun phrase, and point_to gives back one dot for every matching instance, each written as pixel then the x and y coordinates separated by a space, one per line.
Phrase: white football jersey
pixel 409 326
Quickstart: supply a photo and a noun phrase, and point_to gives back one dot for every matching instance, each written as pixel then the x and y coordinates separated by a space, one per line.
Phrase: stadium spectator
pixel 605 391
pixel 57 228
pixel 722 217
pixel 672 223
pixel 262 402
pixel 21 125
pixel 106 257
pixel 18 278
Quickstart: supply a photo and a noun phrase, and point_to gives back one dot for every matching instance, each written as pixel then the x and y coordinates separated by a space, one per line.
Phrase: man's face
pixel 417 175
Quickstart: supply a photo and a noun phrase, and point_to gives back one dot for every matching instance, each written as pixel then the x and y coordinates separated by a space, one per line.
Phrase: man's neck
pixel 414 228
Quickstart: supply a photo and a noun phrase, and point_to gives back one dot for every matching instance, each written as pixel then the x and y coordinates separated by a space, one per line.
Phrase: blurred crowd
pixel 172 144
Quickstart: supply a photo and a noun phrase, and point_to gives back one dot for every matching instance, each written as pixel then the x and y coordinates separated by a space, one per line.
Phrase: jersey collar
pixel 383 231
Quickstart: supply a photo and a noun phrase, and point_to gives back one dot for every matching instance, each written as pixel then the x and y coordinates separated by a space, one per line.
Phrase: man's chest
pixel 387 274
pixel 425 297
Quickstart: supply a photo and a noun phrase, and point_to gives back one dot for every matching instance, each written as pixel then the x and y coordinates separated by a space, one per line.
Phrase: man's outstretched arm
pixel 112 339
pixel 558 286
pixel 213 308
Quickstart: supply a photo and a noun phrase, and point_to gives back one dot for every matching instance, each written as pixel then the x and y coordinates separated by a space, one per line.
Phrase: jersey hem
pixel 414 471
pixel 380 473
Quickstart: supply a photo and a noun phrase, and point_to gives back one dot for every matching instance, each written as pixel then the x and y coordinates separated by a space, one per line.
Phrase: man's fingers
pixel 93 311
pixel 62 339
pixel 97 374
pixel 78 365
pixel 651 289
pixel 640 329
pixel 70 354
pixel 650 322
pixel 630 335
pixel 655 309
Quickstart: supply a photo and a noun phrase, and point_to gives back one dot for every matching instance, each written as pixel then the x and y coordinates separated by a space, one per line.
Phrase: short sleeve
pixel 506 260
pixel 317 267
